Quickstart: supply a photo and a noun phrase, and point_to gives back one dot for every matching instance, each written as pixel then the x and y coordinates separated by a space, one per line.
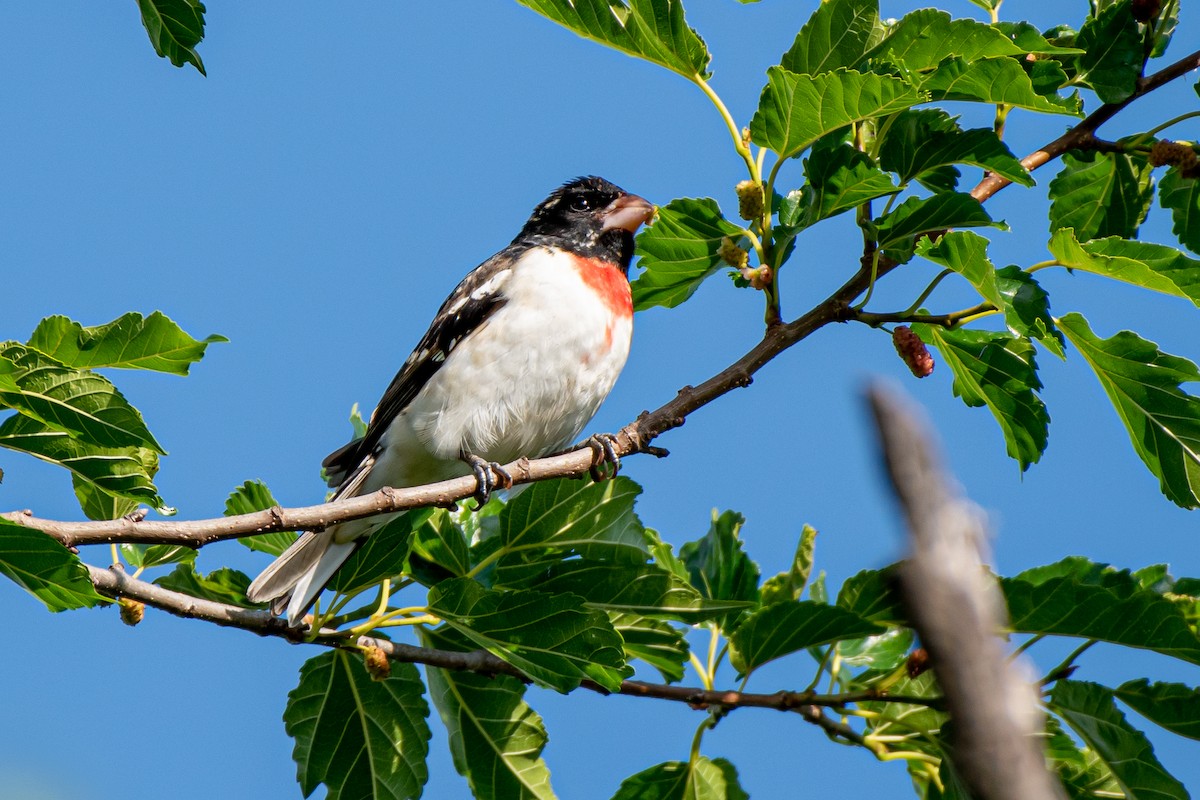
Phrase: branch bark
pixel 956 608
pixel 633 438
pixel 115 583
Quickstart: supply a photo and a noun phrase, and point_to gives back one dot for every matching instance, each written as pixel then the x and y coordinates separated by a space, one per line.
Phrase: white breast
pixel 524 384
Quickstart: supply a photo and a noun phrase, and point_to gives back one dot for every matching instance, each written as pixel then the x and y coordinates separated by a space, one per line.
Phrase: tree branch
pixel 115 583
pixel 1080 136
pixel 633 438
pixel 956 609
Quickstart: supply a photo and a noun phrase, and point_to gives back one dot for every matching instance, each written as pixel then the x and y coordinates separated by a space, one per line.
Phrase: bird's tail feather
pixel 294 580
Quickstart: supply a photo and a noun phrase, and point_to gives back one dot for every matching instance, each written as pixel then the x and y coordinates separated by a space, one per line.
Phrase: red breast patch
pixel 608 282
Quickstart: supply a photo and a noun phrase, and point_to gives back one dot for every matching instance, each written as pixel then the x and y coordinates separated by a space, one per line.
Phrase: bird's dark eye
pixel 580 202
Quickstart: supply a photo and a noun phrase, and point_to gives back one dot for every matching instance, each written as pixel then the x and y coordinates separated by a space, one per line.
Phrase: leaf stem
pixel 738 144
pixel 1173 121
pixel 941 276
pixel 1025 645
pixel 1062 669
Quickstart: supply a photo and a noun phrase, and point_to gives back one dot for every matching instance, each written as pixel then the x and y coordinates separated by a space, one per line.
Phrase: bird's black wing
pixel 475 299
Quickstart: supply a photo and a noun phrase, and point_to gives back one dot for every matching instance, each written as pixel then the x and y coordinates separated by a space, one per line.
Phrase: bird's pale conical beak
pixel 628 212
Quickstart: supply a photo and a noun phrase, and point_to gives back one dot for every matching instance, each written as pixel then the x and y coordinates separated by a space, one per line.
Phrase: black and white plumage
pixel 515 363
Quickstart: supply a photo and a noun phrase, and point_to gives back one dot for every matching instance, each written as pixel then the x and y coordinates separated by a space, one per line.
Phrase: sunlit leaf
pixel 121 471
pixel 787 586
pixel 678 251
pixel 796 110
pixel 1090 711
pixel 1111 62
pixel 1015 292
pixel 838 34
pixel 439 550
pixel 651 29
pixel 718 566
pixel 631 588
pixel 924 38
pixel 45 569
pixel 1143 384
pixel 838 178
pixel 698 779
pixel 554 639
pixel 155 555
pixel 1182 196
pixel 897 231
pixel 382 555
pixel 994 80
pixel 130 342
pixel 1174 706
pixel 998 371
pixel 1100 194
pixel 1152 266
pixel 254 496
pixel 654 641
pixel 78 402
pixel 362 738
pixel 175 28
pixel 496 739
pixel 223 585
pixel 785 628
pixel 1075 597
pixel 920 140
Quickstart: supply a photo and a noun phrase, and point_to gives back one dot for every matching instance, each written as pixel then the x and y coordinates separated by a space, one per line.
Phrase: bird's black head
pixel 589 217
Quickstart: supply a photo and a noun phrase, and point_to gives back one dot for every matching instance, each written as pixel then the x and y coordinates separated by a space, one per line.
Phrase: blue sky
pixel 314 199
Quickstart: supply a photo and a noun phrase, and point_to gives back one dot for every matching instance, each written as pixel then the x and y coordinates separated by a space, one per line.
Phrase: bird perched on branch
pixel 516 362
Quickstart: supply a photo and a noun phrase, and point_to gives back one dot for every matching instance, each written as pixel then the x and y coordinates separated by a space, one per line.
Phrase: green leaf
pixel 784 628
pixel 553 520
pixel 1111 62
pixel 927 36
pixel 43 567
pixel 993 81
pixel 631 588
pixel 719 568
pixel 1029 40
pixel 496 739
pixel 1092 601
pixel 554 639
pixel 1101 194
pixel 678 251
pixel 78 402
pixel 130 342
pixel 1025 304
pixel 898 230
pixel 654 641
pixel 254 496
pixel 839 178
pixel 797 110
pixel 98 504
pixel 885 651
pixel 787 586
pixel 920 140
pixel 175 28
pixel 1173 706
pixel 121 471
pixel 382 554
pixel 699 779
pixel 361 737
pixel 155 555
pixel 871 595
pixel 1090 711
pixel 223 585
pixel 1182 196
pixel 1151 266
pixel 1168 20
pixel 651 29
pixel 439 550
pixel 838 34
pixel 1143 384
pixel 998 371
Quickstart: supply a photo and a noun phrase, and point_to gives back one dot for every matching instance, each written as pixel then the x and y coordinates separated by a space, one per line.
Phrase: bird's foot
pixel 604 452
pixel 489 475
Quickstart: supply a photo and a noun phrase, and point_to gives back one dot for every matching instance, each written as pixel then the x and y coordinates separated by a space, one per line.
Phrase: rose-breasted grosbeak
pixel 515 363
